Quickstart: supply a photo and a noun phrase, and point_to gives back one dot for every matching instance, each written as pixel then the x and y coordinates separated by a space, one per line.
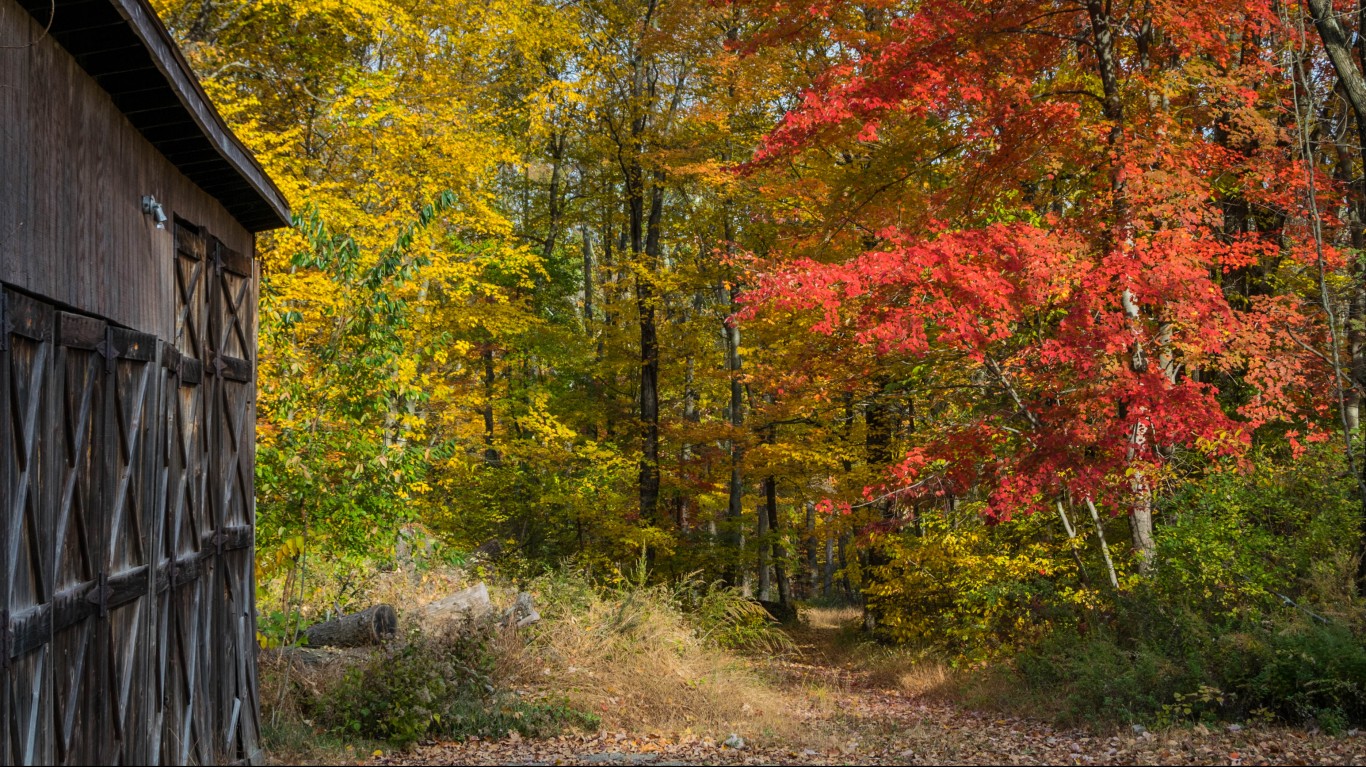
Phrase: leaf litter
pixel 865 725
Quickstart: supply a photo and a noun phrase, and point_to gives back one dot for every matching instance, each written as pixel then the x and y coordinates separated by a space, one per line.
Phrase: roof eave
pixel 126 49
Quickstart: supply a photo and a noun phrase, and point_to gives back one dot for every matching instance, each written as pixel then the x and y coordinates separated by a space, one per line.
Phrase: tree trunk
pixel 775 530
pixel 649 361
pixel 1103 28
pixel 554 208
pixel 844 568
pixel 690 416
pixel 828 585
pixel 1072 544
pixel 1104 549
pixel 491 456
pixel 372 626
pixel 880 426
pixel 762 538
pixel 736 413
pixel 812 558
pixel 1338 42
pixel 587 280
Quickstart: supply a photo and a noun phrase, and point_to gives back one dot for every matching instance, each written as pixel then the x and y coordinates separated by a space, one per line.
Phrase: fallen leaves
pixel 876 727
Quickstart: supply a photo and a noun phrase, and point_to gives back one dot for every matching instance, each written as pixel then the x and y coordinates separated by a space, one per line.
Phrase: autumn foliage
pixel 1014 324
pixel 1055 233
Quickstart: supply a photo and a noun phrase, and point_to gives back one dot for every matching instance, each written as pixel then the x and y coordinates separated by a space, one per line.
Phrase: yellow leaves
pixel 269 563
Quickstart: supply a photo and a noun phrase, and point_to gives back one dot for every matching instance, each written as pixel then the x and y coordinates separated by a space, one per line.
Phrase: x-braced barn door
pixel 105 503
pixel 78 501
pixel 181 597
pixel 231 437
pixel 127 634
pixel 207 656
pixel 25 533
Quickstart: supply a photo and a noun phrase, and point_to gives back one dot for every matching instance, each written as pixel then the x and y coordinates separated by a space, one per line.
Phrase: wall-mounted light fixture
pixel 151 207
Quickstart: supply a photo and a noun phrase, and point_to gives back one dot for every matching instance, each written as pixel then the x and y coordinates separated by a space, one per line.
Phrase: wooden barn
pixel 128 292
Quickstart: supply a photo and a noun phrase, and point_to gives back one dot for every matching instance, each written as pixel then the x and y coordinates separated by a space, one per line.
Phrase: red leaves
pixel 963 288
pixel 1089 315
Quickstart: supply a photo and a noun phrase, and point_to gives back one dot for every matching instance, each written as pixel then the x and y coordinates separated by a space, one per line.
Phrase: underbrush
pixel 427 686
pixel 625 656
pixel 658 658
pixel 1251 613
pixel 442 685
pixel 1291 669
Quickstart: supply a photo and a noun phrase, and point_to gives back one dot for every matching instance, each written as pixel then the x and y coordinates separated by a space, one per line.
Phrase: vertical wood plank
pixel 9 473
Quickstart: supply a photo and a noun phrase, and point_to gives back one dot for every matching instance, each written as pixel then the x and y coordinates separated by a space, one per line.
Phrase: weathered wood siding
pixel 127 367
pixel 73 171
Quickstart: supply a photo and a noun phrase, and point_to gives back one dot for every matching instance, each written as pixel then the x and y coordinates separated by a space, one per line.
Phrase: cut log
pixel 372 626
pixel 473 602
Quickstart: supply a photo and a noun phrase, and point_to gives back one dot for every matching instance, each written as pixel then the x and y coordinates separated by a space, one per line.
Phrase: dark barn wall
pixel 74 172
pixel 127 388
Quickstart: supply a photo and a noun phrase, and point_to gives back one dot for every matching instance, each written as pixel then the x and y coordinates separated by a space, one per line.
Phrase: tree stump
pixel 372 626
pixel 522 613
pixel 470 603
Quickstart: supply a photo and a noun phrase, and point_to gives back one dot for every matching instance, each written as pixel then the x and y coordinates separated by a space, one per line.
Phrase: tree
pixel 1035 192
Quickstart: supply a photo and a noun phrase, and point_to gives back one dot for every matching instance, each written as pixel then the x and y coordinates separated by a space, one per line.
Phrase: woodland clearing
pixel 857 706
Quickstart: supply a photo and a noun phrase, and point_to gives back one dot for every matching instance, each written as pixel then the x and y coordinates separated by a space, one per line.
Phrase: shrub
pixel 726 618
pixel 973 589
pixel 439 685
pixel 1250 612
pixel 1307 671
pixel 1234 543
pixel 1181 668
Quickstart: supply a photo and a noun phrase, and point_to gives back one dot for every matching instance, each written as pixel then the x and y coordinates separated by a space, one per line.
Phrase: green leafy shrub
pixel 1234 544
pixel 976 590
pixel 1305 672
pixel 725 617
pixel 1298 670
pixel 1250 612
pixel 436 686
pixel 1096 679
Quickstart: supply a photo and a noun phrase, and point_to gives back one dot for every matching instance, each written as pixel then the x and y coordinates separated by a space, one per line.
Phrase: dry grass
pixel 832 618
pixel 628 656
pixel 631 658
pixel 287 681
pixel 834 633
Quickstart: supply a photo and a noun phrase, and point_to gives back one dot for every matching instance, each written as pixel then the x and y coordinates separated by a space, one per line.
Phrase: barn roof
pixel 126 49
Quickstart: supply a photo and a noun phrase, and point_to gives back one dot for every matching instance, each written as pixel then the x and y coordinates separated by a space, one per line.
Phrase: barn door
pixel 127 631
pixel 124 601
pixel 80 378
pixel 26 577
pixel 206 660
pixel 231 439
pixel 183 638
pixel 100 507
pixel 78 499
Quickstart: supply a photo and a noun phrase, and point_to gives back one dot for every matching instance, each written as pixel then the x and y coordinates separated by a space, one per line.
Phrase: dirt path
pixel 864 724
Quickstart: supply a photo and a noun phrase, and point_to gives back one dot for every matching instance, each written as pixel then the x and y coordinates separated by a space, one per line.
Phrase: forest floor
pixel 867 716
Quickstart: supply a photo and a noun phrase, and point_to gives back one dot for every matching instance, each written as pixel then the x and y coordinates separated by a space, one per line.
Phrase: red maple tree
pixel 1092 210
